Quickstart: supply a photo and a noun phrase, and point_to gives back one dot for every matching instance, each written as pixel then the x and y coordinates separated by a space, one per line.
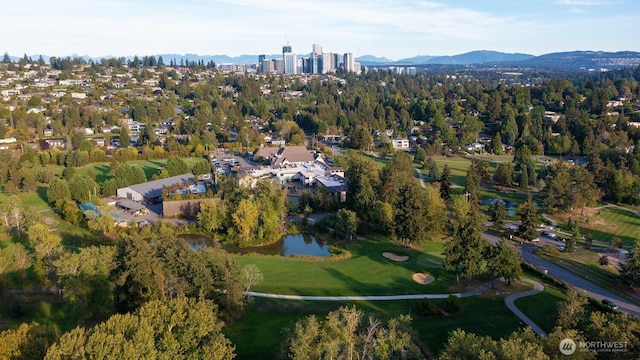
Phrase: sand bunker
pixel 394 257
pixel 422 278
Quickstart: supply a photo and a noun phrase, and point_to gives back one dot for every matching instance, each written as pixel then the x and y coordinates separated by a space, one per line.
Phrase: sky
pixel 394 29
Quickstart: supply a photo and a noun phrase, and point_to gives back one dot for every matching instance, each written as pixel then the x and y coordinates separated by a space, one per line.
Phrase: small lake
pixel 299 244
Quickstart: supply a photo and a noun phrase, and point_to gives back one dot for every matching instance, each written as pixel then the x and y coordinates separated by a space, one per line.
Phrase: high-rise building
pixel 317 49
pixel 278 65
pixel 348 62
pixel 289 58
pixel 315 59
pixel 327 63
pixel 267 66
pixel 290 63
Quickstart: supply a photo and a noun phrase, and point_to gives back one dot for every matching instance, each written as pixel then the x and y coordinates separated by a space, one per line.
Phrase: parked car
pixel 560 248
pixel 609 303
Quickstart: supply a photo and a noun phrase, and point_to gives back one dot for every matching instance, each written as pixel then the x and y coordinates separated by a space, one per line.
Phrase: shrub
pixel 426 308
pixel 604 260
pixel 452 304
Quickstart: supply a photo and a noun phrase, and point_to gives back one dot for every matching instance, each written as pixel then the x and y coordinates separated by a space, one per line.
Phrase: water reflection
pixel 299 244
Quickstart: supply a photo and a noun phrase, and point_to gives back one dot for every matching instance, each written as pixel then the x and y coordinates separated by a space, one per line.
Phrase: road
pixel 576 282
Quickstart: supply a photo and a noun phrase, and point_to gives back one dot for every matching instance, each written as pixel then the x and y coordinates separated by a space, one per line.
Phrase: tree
pixel 251 275
pixel 559 193
pixel 360 138
pixel 245 219
pixel 382 217
pixel 445 183
pixel 58 189
pixel 125 140
pixel 503 174
pixel 524 178
pixel 346 224
pixel 28 341
pixel 201 167
pixel 421 156
pixel 571 311
pixel 519 345
pixel 82 188
pixel 177 328
pixel 213 214
pixel 176 166
pixel 630 271
pixel 529 219
pixel 434 172
pixel 616 242
pixel 85 278
pixel 573 239
pixel 465 247
pixel 496 144
pixel 362 187
pixel 498 213
pixel 13 258
pixel 344 335
pixel 504 262
pixel 48 245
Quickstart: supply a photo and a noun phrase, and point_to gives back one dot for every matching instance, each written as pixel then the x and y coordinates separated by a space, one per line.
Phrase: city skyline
pixel 382 28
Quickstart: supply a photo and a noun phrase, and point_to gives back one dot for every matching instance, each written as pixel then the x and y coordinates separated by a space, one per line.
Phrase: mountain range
pixel 575 60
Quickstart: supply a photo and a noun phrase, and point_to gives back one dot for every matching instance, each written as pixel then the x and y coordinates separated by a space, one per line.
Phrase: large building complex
pixel 318 62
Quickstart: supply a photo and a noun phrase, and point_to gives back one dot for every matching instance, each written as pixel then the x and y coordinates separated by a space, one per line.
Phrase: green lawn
pixel 102 170
pixel 367 272
pixel 542 308
pixel 605 224
pixel 36 200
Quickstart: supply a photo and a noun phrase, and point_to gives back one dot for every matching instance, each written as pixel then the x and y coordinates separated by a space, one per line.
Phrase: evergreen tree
pixel 445 183
pixel 630 272
pixel 496 144
pixel 524 178
pixel 529 218
pixel 58 189
pixel 498 213
pixel 124 136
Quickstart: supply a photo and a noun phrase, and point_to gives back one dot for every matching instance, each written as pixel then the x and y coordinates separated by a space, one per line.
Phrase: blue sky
pixel 391 28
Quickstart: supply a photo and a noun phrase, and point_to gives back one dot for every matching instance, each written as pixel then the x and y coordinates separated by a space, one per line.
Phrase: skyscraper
pixel 349 63
pixel 289 58
pixel 315 60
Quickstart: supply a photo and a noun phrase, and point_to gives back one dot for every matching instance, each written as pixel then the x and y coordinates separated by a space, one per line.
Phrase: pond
pixel 298 244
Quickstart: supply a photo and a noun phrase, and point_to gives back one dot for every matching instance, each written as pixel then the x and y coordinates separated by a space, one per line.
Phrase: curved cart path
pixel 509 301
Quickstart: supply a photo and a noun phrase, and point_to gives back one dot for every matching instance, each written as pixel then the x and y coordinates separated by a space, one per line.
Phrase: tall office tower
pixel 278 65
pixel 349 63
pixel 315 59
pixel 267 66
pixel 317 49
pixel 337 61
pixel 289 58
pixel 306 65
pixel 260 60
pixel 327 65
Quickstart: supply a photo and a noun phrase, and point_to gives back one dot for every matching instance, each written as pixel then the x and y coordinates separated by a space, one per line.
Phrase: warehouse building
pixel 152 191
